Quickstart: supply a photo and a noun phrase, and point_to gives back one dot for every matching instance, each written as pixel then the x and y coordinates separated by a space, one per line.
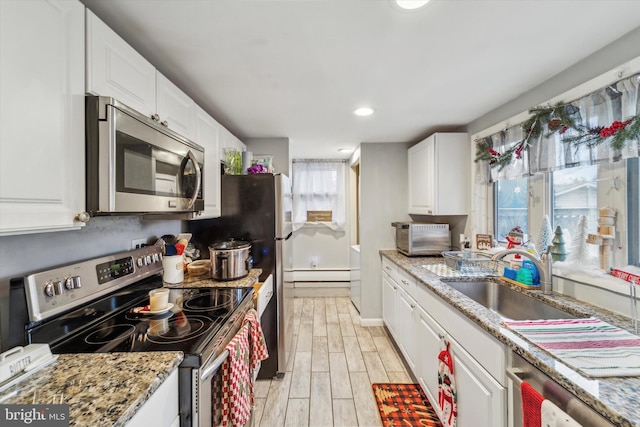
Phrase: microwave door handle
pixel 198 178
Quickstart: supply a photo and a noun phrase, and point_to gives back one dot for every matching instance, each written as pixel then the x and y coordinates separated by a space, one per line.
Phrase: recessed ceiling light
pixel 345 150
pixel 411 4
pixel 363 111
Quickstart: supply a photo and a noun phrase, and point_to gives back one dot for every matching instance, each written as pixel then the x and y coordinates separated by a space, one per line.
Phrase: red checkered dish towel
pixel 246 349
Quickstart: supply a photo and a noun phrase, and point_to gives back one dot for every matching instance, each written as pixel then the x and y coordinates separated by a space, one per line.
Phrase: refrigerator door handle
pixel 284 238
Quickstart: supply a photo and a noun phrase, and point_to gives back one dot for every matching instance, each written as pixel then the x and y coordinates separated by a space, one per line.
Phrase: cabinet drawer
pixel 263 294
pixel 390 268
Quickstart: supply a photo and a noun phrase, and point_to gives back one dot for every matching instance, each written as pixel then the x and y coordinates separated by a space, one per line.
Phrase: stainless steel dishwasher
pixel 521 370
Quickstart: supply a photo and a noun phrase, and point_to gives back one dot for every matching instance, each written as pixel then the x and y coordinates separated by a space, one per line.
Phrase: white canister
pixel 172 267
pixel 247 156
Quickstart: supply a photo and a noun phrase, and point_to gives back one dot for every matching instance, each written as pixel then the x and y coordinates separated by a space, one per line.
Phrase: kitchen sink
pixel 506 302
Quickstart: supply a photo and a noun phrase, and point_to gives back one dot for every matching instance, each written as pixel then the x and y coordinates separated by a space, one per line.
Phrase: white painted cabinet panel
pixel 229 141
pixel 405 306
pixel 116 69
pixel 439 175
pixel 207 135
pixel 176 110
pixel 429 337
pixel 481 400
pixel 41 115
pixel 162 408
pixel 389 303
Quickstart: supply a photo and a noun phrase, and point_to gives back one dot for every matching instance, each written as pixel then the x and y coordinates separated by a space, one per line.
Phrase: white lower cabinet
pixel 405 306
pixel 389 303
pixel 430 340
pixel 481 399
pixel 421 323
pixel 162 408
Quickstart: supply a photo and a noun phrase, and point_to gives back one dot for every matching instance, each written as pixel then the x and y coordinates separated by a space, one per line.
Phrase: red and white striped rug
pixel 592 346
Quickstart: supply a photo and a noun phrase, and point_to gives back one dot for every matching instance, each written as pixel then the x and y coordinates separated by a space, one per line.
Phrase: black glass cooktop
pixel 112 325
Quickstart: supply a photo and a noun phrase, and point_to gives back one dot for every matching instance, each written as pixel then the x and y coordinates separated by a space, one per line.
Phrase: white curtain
pixel 619 101
pixel 319 185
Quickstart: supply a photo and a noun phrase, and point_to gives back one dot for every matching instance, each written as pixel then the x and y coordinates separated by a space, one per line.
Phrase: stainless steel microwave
pixel 135 165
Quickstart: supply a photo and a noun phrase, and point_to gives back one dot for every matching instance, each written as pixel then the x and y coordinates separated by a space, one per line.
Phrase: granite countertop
pixel 207 282
pixel 100 389
pixel 615 397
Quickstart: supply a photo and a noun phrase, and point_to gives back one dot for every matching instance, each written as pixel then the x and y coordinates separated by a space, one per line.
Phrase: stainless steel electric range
pixel 92 307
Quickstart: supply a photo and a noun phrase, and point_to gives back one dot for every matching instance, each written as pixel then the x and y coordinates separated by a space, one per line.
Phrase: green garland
pixel 564 119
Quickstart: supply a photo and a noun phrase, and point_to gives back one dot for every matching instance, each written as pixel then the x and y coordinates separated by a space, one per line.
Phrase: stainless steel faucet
pixel 543 264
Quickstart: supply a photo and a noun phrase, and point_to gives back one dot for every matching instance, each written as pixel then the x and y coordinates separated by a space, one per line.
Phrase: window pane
pixel 575 193
pixel 511 206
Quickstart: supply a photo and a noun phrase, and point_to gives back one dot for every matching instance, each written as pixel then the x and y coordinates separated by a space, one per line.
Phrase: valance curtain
pixel 619 101
pixel 319 185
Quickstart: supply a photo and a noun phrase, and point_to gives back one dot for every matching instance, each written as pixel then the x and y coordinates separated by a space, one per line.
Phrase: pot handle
pixel 249 263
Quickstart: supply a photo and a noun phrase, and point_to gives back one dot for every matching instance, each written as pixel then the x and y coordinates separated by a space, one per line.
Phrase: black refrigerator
pixel 257 209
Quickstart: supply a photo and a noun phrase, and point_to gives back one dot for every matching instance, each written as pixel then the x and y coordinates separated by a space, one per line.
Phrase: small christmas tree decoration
pixel 579 249
pixel 545 236
pixel 558 252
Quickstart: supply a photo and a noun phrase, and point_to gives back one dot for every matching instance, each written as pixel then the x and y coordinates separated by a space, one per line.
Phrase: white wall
pixel 278 147
pixel 383 198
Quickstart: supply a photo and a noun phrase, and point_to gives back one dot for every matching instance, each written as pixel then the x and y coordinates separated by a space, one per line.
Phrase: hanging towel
pixel 552 416
pixel 531 405
pixel 591 346
pixel 236 381
pixel 258 345
pixel 447 394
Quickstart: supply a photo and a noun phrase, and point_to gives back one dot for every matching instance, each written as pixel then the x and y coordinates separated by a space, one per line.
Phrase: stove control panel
pixel 63 288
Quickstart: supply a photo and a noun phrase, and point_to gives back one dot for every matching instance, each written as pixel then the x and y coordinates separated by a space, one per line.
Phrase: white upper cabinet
pixel 116 69
pixel 207 135
pixel 42 115
pixel 230 141
pixel 439 175
pixel 175 108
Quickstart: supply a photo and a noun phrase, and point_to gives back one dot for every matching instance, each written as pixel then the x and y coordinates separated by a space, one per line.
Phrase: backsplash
pixel 23 254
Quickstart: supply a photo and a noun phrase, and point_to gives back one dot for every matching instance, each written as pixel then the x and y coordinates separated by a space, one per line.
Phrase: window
pixel 633 209
pixel 511 206
pixel 319 193
pixel 575 193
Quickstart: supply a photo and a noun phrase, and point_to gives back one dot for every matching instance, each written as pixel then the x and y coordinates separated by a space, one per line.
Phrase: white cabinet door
pixel 176 110
pixel 429 338
pixel 481 400
pixel 161 409
pixel 421 177
pixel 439 175
pixel 207 134
pixel 42 115
pixel 116 69
pixel 389 289
pixel 405 306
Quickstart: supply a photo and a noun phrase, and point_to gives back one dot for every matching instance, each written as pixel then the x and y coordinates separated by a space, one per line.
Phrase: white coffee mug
pixel 158 299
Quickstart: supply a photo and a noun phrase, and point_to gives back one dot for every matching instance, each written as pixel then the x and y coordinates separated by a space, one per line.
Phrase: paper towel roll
pixel 246 161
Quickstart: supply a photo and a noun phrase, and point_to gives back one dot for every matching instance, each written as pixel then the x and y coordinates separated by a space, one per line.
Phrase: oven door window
pixel 142 168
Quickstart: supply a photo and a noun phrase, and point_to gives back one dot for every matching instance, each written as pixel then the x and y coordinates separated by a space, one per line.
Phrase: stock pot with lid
pixel 230 260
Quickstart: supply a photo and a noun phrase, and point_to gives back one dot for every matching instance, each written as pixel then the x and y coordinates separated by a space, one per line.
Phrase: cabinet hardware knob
pixel 165 123
pixel 155 117
pixel 441 336
pixel 83 217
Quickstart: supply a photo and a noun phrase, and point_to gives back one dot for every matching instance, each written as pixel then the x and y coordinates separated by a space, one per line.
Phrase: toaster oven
pixel 422 238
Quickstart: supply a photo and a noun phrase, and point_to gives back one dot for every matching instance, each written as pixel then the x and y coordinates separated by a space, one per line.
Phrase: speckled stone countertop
pixel 617 398
pixel 207 282
pixel 100 389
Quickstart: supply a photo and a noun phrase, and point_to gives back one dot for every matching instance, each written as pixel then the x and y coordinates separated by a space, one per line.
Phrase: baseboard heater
pixel 321 277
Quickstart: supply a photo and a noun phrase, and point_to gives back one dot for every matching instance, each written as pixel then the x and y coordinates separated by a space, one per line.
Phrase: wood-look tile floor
pixel 328 379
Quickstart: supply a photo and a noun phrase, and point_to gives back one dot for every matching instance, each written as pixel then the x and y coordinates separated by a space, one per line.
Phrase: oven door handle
pixel 515 374
pixel 215 365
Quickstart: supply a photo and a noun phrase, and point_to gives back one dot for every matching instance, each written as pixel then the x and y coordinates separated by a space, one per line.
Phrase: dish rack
pixel 471 263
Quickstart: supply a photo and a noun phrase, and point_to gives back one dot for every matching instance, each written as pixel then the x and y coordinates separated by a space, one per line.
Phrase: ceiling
pixel 298 68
